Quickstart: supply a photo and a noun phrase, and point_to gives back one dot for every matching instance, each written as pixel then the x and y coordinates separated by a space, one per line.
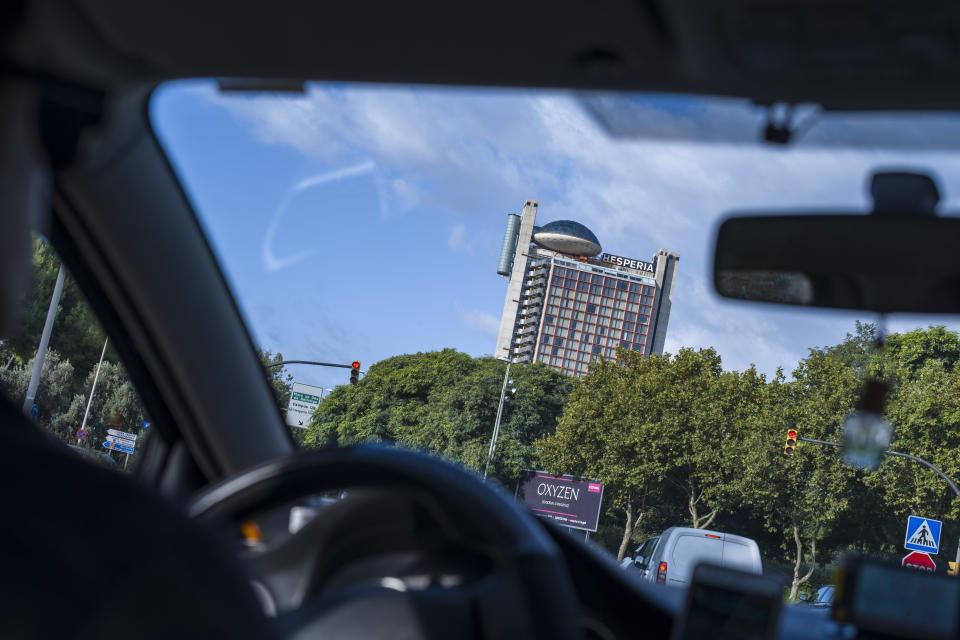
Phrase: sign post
pixel 565 500
pixel 121 441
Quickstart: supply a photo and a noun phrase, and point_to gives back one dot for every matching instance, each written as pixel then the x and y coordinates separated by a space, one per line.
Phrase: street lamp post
pixel 496 424
pixel 44 342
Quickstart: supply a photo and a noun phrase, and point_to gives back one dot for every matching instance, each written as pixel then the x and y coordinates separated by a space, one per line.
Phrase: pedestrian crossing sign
pixel 923 534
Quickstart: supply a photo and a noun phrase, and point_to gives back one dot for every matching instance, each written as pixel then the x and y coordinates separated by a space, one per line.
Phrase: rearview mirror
pixel 639 562
pixel 896 259
pixel 803 597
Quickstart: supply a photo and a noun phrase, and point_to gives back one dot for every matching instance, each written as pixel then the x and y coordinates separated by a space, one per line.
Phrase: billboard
pixel 565 500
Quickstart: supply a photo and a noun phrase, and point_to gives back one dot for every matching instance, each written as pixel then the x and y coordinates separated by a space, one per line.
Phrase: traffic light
pixel 791 443
pixel 354 372
pixel 952 568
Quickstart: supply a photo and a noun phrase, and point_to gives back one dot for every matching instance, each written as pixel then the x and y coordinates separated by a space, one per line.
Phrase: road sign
pixel 113 446
pixel 923 534
pixel 565 500
pixel 145 424
pixel 919 560
pixel 121 442
pixel 81 434
pixel 304 400
pixel 34 411
pixel 122 434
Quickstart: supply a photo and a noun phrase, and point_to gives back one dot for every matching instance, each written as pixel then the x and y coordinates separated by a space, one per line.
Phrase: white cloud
pixel 480 321
pixel 457 240
pixel 477 155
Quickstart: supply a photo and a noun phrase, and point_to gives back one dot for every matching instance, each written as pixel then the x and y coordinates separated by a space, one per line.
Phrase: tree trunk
pixel 797 578
pixel 631 524
pixel 692 500
pixel 627 531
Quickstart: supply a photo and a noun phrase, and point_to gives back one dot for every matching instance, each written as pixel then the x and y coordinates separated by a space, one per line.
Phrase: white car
pixel 670 557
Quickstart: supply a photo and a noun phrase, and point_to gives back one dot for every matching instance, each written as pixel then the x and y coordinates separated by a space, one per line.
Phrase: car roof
pixel 721 534
pixel 845 54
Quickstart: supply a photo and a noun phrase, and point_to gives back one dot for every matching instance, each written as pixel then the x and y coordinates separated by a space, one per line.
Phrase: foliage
pixel 76 335
pixel 446 402
pixel 675 438
pixel 653 430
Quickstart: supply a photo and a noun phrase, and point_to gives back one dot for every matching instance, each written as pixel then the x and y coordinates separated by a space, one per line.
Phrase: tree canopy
pixel 446 402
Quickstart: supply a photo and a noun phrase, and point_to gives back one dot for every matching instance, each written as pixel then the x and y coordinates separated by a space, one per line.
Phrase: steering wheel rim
pixel 496 516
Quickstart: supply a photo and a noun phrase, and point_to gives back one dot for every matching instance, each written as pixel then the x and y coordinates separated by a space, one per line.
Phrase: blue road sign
pixel 118 447
pixel 34 411
pixel 145 424
pixel 81 434
pixel 923 534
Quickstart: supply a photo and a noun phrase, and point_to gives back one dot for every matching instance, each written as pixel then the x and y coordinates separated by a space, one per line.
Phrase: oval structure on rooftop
pixel 567 236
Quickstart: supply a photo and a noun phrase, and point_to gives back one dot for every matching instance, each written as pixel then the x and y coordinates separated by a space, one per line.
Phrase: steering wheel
pixel 519 585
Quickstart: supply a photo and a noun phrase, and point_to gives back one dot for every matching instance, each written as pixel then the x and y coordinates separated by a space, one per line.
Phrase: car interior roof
pixel 840 53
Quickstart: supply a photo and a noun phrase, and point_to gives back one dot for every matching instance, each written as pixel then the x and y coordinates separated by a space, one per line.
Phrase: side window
pixel 82 394
pixel 647 549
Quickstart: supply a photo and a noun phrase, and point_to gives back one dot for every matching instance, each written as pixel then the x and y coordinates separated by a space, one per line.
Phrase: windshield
pixel 420 240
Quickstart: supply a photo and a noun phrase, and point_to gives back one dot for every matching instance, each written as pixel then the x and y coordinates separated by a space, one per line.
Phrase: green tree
pixel 800 498
pixel 54 395
pixel 445 402
pixel 281 382
pixel 76 335
pixel 924 408
pixel 601 435
pixel 115 405
pixel 654 430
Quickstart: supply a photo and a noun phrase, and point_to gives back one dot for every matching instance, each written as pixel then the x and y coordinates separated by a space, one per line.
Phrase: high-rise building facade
pixel 569 304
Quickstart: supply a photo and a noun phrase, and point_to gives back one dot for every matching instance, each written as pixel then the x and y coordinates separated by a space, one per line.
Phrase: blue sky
pixel 360 222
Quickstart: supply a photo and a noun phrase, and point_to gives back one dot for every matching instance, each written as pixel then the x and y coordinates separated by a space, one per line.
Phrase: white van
pixel 670 557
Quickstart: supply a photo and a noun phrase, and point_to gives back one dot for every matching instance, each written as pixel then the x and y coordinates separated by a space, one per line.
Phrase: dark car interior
pixel 77 76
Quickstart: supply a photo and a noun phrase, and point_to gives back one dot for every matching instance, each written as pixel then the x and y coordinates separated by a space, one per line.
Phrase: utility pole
pixel 44 342
pixel 93 388
pixel 898 454
pixel 496 424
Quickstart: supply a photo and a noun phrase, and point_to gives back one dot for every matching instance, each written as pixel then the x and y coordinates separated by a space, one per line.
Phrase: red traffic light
pixel 355 364
pixel 791 433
